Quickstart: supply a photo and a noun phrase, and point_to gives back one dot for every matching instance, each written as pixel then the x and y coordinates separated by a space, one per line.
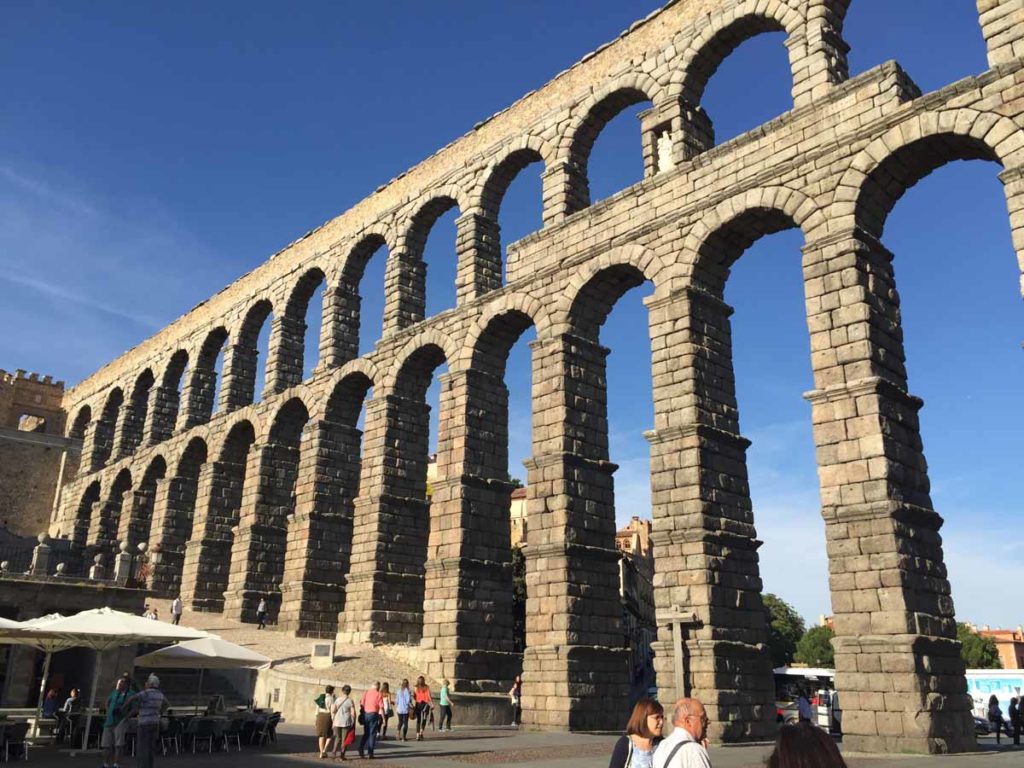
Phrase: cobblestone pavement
pixel 476 746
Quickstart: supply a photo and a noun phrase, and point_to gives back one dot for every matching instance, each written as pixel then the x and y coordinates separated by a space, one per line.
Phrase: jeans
pixel 146 746
pixel 369 740
pixel 261 619
pixel 446 716
pixel 403 724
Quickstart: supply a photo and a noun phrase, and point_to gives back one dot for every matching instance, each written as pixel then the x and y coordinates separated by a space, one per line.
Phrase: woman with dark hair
pixel 804 745
pixel 995 716
pixel 643 732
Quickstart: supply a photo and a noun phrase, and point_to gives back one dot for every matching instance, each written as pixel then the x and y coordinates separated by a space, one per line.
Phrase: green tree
pixel 977 652
pixel 518 598
pixel 815 648
pixel 785 628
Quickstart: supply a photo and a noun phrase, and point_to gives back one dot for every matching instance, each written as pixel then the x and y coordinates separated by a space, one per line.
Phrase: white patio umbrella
pixel 210 652
pixel 99 629
pixel 20 633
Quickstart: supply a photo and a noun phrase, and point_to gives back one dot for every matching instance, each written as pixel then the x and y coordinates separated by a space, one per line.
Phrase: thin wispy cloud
pixel 146 322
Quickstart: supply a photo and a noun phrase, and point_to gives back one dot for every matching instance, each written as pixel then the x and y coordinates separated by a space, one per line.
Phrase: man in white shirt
pixel 686 746
pixel 177 607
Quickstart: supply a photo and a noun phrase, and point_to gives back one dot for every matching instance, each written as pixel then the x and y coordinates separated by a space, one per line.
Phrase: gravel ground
pixel 356 664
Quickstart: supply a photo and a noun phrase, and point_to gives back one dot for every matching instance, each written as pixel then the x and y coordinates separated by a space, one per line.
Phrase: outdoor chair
pixel 14 740
pixel 234 733
pixel 269 730
pixel 131 734
pixel 199 731
pixel 171 736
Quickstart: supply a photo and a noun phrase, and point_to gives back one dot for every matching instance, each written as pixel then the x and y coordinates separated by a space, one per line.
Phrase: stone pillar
pixel 174 508
pixel 404 290
pixel 320 531
pixel 99 443
pixel 574 662
pixel 340 336
pixel 468 619
pixel 162 414
pixel 258 549
pixel 103 525
pixel 284 367
pixel 817 56
pixel 207 559
pixel 198 397
pixel 136 517
pixel 897 659
pixel 565 189
pixel 478 250
pixel 238 389
pixel 1013 187
pixel 384 592
pixel 1002 25
pixel 703 532
pixel 673 132
pixel 128 433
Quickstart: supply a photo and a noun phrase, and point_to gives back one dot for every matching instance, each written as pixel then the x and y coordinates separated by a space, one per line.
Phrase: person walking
pixel 803 744
pixel 324 724
pixel 114 724
pixel 369 707
pixel 387 709
pixel 1015 716
pixel 343 711
pixel 995 716
pixel 261 613
pixel 515 696
pixel 686 746
pixel 445 701
pixel 151 705
pixel 177 607
pixel 424 704
pixel 643 734
pixel 403 704
pixel 804 712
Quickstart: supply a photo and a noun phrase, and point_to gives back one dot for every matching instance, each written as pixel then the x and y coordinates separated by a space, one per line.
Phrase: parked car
pixel 981 726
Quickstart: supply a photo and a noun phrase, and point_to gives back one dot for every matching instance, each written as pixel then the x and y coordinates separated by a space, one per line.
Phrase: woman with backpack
pixel 323 719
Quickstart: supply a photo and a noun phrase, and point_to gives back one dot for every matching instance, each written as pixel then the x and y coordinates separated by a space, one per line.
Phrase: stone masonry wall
pixel 396 568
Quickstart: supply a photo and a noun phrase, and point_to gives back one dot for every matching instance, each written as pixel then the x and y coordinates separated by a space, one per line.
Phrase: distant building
pixel 1009 643
pixel 518 517
pixel 636 587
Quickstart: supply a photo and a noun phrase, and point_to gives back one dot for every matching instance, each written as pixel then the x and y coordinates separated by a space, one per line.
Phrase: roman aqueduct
pixel 286 497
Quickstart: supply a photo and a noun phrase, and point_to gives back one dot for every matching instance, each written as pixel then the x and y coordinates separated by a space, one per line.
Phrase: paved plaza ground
pixel 496 747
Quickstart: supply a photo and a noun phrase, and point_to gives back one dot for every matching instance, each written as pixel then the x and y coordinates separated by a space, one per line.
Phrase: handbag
pixel 362 717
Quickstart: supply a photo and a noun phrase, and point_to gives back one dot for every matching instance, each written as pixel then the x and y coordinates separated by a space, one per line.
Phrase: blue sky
pixel 153 153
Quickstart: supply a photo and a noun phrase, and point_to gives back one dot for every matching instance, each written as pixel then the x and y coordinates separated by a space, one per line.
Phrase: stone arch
pixel 192 457
pixel 104 527
pixel 105 429
pixel 721 236
pixel 435 203
pixel 175 510
pixel 884 170
pixel 202 384
pixel 133 424
pixel 627 263
pixel 242 432
pixel 80 424
pixel 289 421
pixel 344 320
pixel 346 399
pixel 290 351
pixel 520 305
pixel 446 351
pixel 589 120
pixel 165 403
pixel 500 174
pixel 241 368
pixel 725 31
pixel 84 513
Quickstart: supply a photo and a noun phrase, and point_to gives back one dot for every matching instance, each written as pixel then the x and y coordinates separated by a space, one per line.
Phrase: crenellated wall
pixel 285 498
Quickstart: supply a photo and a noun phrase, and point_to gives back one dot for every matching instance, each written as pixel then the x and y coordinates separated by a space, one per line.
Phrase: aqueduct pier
pixel 286 497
